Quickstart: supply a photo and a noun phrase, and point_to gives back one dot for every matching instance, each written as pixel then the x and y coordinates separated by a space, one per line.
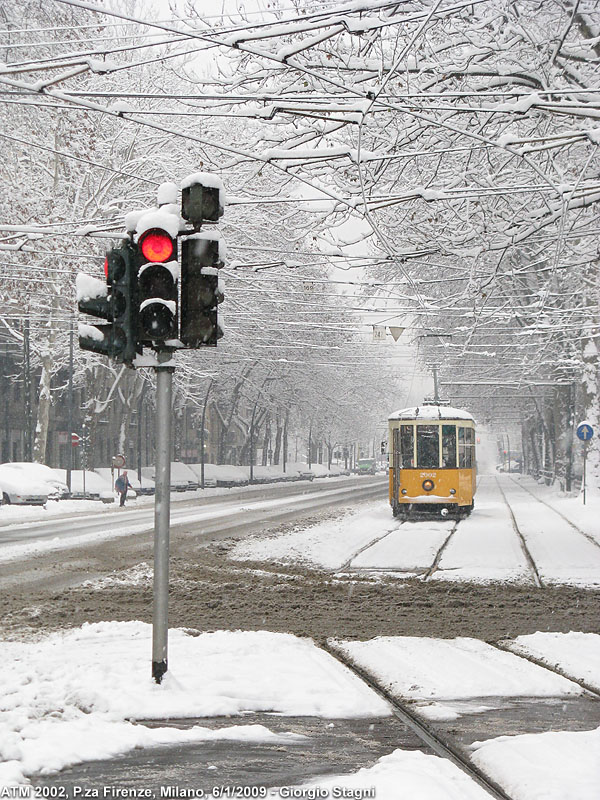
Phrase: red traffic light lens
pixel 156 245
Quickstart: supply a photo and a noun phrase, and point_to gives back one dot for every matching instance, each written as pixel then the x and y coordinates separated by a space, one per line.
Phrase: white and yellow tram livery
pixel 432 460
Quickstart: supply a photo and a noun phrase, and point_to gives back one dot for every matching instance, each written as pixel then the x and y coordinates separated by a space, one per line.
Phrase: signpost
pixel 584 432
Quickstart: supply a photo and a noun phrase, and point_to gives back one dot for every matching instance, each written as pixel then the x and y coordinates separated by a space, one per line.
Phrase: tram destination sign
pixel 585 431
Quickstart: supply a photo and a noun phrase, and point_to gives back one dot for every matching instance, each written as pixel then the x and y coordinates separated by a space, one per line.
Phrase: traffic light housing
pixel 113 301
pixel 200 291
pixel 201 202
pixel 157 275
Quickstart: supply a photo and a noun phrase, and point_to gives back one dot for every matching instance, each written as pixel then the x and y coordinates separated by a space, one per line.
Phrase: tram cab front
pixel 432 460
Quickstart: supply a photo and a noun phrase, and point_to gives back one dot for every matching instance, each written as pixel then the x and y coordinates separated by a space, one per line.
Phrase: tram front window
pixel 428 446
pixel 407 445
pixel 466 448
pixel 449 446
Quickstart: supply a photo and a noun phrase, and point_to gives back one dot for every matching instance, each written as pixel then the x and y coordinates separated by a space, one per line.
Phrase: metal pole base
pixel 158 670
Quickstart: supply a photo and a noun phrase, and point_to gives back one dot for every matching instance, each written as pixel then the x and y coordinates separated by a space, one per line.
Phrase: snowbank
pixel 61 711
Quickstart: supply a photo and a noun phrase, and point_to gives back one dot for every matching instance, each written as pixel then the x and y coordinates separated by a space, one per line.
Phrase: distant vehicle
pixel 210 480
pixel 432 460
pixel 182 477
pixel 18 488
pixel 366 466
pixel 306 475
pixel 222 475
pixel 145 487
pixel 96 487
pixel 40 473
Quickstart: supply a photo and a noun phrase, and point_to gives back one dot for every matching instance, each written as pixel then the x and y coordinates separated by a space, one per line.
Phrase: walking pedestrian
pixel 121 485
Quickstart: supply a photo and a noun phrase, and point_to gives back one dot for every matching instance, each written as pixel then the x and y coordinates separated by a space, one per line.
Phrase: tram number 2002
pixel 427 475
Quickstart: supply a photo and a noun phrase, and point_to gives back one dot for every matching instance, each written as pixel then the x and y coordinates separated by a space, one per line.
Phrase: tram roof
pixel 431 412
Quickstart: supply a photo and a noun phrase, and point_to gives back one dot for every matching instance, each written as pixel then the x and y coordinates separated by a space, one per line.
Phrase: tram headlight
pixel 428 485
pixel 404 491
pixel 452 491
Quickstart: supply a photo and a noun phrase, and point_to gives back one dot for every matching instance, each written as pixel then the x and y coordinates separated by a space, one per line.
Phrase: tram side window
pixel 449 446
pixel 466 447
pixel 428 446
pixel 407 448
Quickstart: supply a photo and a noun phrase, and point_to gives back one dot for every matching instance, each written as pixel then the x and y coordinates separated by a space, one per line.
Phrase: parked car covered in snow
pixel 40 473
pixel 182 477
pixel 223 475
pixel 210 479
pixel 96 487
pixel 146 486
pixel 18 488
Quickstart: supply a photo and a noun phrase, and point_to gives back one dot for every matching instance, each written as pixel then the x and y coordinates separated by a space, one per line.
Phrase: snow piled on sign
pixel 206 179
pixel 90 332
pixel 158 218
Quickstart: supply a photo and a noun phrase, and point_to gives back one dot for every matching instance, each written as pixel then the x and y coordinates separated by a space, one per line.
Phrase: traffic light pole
pixel 162 502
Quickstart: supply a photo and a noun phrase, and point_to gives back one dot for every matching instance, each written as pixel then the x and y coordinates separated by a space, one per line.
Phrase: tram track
pixel 525 549
pixel 423 574
pixel 554 668
pixel 347 565
pixel 437 743
pixel 438 556
pixel 590 539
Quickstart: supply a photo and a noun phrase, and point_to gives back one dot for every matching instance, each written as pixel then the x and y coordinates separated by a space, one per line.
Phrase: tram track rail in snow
pixel 347 565
pixel 421 572
pixel 426 733
pixel 556 511
pixel 526 552
pixel 554 668
pixel 438 556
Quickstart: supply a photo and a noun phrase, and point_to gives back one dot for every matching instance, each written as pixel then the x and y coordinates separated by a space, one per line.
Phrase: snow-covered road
pixel 517 706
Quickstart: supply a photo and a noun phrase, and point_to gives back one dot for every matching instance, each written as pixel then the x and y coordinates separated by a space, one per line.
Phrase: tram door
pixel 396 462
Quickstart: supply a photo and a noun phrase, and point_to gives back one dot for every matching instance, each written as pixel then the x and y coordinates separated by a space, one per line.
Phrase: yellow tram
pixel 432 460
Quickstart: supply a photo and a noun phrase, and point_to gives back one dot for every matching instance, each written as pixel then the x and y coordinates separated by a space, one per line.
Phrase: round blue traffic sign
pixel 585 431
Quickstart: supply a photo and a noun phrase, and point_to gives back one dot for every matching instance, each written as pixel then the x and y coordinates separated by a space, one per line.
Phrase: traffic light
pixel 200 290
pixel 201 202
pixel 157 276
pixel 113 301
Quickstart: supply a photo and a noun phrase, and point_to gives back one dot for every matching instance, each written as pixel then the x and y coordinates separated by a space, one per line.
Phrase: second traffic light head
pixel 202 198
pixel 201 293
pixel 158 272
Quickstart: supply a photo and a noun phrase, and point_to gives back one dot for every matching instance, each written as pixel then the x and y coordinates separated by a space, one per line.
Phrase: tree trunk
pixel 45 393
pixel 266 440
pixel 278 435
